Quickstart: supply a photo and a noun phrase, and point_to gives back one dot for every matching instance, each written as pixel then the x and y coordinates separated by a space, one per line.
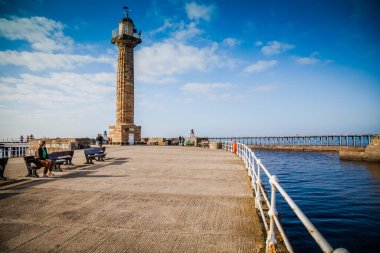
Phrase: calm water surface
pixel 342 199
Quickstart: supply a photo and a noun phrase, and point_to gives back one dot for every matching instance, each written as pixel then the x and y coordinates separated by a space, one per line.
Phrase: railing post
pixel 271 238
pixel 258 182
pixel 253 178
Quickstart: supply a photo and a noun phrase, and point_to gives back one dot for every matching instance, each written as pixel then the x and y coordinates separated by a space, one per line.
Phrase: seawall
pixel 371 153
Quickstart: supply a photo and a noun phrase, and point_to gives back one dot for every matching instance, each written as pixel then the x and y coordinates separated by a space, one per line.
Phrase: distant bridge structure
pixel 361 140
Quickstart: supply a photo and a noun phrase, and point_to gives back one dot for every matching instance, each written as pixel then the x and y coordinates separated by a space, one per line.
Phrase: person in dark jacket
pixel 99 140
pixel 43 157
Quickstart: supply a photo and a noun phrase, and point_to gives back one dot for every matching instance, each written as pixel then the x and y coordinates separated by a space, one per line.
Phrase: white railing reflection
pixel 255 169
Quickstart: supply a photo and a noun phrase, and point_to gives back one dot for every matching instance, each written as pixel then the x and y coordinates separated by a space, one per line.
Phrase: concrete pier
pixel 141 199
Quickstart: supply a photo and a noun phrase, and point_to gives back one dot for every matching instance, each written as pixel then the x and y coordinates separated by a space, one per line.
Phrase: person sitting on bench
pixel 44 159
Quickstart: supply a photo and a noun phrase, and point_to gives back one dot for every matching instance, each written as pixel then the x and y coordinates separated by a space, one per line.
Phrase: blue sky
pixel 224 68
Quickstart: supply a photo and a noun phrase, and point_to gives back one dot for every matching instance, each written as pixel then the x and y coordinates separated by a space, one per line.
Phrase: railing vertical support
pixel 271 238
pixel 258 182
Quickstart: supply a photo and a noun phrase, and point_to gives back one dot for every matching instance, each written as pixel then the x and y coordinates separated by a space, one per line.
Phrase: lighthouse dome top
pixel 126 30
pixel 127 20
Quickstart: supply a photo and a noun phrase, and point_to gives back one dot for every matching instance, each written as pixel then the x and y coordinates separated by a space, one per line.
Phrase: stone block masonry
pixel 59 144
pixel 125 127
pixel 371 152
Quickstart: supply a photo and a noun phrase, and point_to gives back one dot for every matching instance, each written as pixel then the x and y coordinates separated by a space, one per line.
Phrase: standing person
pixel 179 140
pixel 43 157
pixel 192 133
pixel 99 140
pixel 21 138
pixel 31 137
pixel 27 138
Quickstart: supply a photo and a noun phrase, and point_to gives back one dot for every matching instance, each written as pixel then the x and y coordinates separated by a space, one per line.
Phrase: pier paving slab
pixel 141 199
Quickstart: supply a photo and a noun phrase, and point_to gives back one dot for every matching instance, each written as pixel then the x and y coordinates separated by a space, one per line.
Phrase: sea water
pixel 341 198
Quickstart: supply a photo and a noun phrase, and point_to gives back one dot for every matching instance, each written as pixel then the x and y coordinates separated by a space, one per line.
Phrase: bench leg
pixel 35 173
pixel 32 173
pixel 89 161
pixel 2 169
pixel 57 167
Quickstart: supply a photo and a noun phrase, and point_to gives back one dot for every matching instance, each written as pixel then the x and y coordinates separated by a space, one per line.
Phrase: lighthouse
pixel 126 38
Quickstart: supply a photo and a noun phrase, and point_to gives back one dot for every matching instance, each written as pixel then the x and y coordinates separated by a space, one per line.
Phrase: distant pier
pixel 312 140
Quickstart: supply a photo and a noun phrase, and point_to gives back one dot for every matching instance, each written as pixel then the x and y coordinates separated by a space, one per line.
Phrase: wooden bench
pixel 32 164
pixel 61 157
pixel 3 163
pixel 66 155
pixel 57 162
pixel 93 153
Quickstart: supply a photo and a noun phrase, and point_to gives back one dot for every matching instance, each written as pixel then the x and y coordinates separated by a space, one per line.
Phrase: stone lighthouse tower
pixel 126 38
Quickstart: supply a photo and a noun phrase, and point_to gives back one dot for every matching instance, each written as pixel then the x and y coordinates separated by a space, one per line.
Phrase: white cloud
pixel 260 66
pixel 231 42
pixel 276 47
pixel 57 89
pixel 312 59
pixel 167 25
pixel 265 88
pixel 163 61
pixel 259 43
pixel 42 33
pixel 55 97
pixel 212 91
pixel 197 12
pixel 307 60
pixel 204 87
pixel 40 60
pixel 160 62
pixel 186 32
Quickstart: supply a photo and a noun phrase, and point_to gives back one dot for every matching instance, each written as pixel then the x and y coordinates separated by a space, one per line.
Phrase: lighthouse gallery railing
pixel 255 169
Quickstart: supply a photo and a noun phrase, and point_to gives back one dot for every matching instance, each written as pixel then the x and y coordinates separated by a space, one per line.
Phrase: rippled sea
pixel 341 198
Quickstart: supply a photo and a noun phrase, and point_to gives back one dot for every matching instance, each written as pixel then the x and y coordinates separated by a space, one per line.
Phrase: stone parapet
pixel 59 144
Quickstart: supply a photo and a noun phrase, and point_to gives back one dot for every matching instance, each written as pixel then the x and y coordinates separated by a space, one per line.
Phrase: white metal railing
pixel 13 151
pixel 13 147
pixel 117 32
pixel 255 169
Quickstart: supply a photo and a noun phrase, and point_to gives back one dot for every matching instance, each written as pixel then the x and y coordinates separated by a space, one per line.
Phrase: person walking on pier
pixel 43 157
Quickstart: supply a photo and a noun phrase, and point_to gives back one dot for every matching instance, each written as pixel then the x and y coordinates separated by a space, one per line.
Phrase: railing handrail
pixel 254 167
pixel 116 33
